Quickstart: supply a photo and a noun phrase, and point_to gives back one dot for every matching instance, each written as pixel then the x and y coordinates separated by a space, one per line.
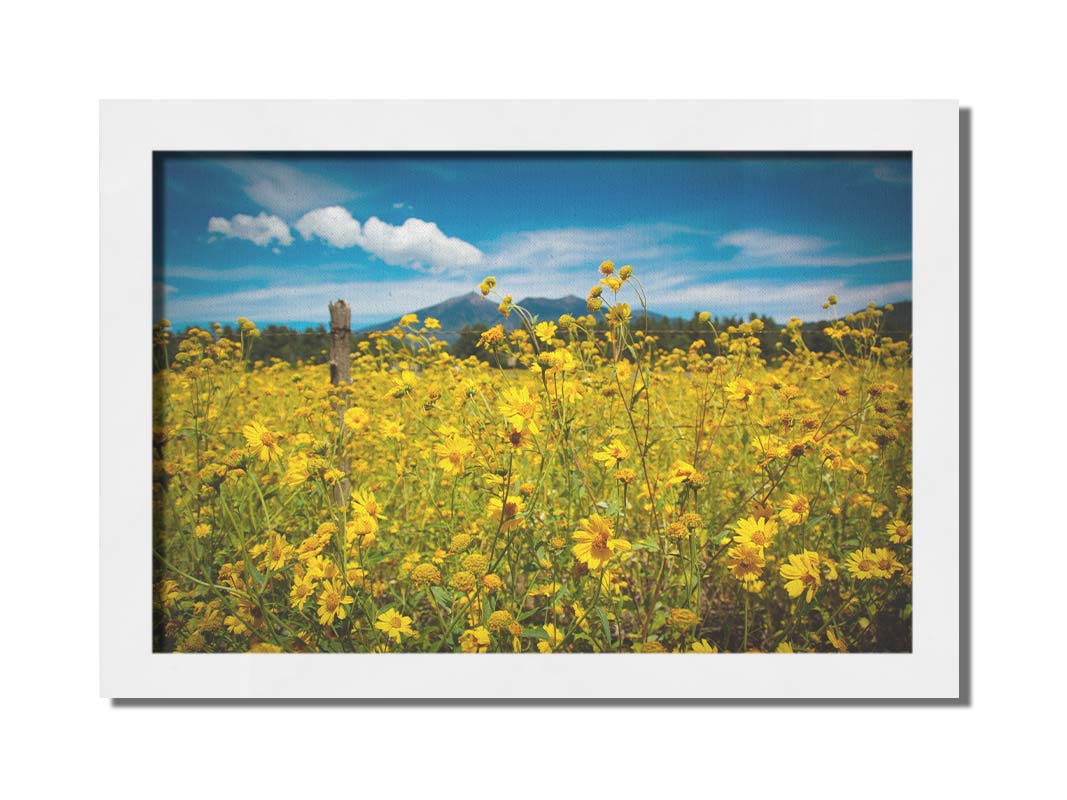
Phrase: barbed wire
pixel 444 332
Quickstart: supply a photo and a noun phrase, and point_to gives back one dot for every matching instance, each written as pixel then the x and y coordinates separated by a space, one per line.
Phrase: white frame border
pixel 131 130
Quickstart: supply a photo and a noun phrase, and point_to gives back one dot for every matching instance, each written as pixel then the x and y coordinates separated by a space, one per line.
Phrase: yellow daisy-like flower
pixel 746 561
pixel 432 324
pixel 520 409
pixel 802 574
pixel 796 510
pixel 703 647
pixel 474 640
pixel 863 564
pixel 545 331
pixel 332 602
pixel 362 528
pixel 280 551
pixel 886 562
pixel 363 501
pixel 297 471
pixel 261 442
pixel 403 384
pixel 682 472
pixel 899 531
pixel 612 455
pixel 554 640
pixel 741 391
pixel 356 418
pixel 758 531
pixel 559 360
pixel 619 313
pixel 836 641
pixel 452 454
pixel 394 625
pixel 332 475
pixel 506 514
pixel 596 543
pixel 492 337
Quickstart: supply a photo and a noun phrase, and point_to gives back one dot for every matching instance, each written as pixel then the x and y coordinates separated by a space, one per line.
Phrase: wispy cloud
pixel 261 230
pixel 761 247
pixel 889 173
pixel 372 301
pixel 283 189
pixel 416 244
pixel 574 247
pixel 763 244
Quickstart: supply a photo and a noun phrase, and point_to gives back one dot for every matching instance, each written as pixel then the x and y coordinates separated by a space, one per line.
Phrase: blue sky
pixel 276 238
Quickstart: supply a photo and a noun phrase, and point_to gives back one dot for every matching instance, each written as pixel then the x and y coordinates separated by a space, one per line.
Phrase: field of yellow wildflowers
pixel 611 496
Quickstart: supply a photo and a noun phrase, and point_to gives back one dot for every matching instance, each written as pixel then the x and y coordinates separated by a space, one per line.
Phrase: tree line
pixel 311 346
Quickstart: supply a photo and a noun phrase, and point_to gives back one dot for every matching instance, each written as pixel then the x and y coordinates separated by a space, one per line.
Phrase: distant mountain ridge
pixel 472 309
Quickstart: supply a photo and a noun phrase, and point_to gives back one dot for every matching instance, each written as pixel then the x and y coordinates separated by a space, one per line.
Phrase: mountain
pixel 552 309
pixel 472 309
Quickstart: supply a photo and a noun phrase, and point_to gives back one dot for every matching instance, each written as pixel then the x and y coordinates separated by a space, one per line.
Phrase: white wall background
pixel 998 60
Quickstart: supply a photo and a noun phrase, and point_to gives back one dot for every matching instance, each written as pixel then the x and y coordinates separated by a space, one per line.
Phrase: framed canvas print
pixel 500 399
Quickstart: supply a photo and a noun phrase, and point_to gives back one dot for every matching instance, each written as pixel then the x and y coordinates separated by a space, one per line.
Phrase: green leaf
pixel 258 577
pixel 442 596
pixel 535 633
pixel 603 615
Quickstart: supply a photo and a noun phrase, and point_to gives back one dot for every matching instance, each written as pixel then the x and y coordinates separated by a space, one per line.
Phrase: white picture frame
pixel 131 131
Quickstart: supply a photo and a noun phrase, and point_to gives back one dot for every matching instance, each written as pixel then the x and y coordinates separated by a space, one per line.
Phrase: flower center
pixel 267 438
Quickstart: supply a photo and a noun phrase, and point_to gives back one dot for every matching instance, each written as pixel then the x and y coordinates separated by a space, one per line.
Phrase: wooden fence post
pixel 340 342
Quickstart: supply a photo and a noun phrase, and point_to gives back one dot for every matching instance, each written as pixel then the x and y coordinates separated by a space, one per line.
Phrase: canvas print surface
pixel 532 403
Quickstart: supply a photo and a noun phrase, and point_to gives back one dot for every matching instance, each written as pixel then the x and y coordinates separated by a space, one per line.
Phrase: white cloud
pixel 759 243
pixel 573 247
pixel 260 230
pixel 416 244
pixel 760 247
pixel 333 224
pixel 283 189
